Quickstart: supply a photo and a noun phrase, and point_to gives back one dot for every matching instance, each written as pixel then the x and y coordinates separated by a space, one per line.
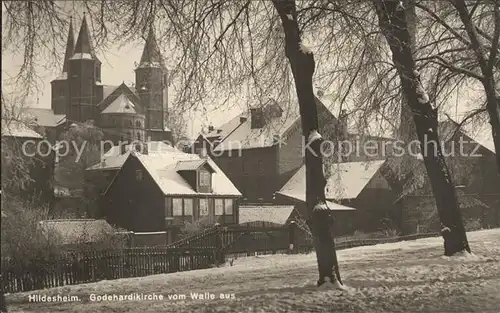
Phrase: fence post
pixel 220 257
pixel 291 237
pixel 3 304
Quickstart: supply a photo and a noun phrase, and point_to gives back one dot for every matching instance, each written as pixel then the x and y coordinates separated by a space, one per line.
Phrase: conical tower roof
pixel 151 55
pixel 70 47
pixel 83 47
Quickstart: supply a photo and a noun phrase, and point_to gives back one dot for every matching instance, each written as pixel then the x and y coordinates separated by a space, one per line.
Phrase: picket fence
pixel 92 266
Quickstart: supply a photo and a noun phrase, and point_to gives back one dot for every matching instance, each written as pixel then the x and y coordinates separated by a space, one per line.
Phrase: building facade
pixel 166 191
pixel 124 113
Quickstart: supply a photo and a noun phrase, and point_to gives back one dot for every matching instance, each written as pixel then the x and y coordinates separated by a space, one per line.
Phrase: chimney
pixel 243 119
pixel 343 124
pixel 210 128
pixel 123 147
pixel 219 131
pixel 256 118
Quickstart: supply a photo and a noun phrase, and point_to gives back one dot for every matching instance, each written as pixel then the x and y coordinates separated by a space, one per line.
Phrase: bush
pixel 23 243
pixel 473 224
pixel 197 226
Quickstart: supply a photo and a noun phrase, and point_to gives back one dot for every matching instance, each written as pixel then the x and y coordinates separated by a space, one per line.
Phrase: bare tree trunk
pixel 392 20
pixel 319 217
pixel 487 66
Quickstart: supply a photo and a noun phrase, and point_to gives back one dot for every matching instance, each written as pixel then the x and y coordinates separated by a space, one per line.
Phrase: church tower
pixel 84 77
pixel 151 83
pixel 60 86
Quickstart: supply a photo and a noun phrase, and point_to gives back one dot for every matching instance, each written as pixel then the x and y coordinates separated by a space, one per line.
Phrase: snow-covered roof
pixel 277 214
pixel 122 104
pixel 346 182
pixel 479 133
pixel 244 137
pixel 19 130
pixel 190 165
pixel 44 117
pixel 113 159
pixel 73 231
pixel 163 169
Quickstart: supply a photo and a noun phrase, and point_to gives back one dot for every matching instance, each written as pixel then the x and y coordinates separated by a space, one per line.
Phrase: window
pixel 219 207
pixel 138 175
pixel 129 136
pixel 98 73
pixel 138 136
pixel 188 207
pixel 204 179
pixel 177 207
pixel 228 206
pixel 204 207
pixel 138 124
pixel 129 123
pixel 182 210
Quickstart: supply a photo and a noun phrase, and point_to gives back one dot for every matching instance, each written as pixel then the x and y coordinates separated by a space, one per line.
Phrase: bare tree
pixel 393 22
pixel 319 220
pixel 464 49
pixel 488 63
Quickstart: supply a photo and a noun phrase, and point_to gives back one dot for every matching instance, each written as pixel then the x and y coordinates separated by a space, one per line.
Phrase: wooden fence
pixel 77 268
pixel 238 240
pixel 205 249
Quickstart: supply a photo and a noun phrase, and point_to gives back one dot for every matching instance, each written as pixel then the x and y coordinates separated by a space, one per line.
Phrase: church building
pixel 123 113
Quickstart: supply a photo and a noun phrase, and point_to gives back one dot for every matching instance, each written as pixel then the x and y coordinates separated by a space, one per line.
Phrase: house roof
pixel 237 134
pixel 191 165
pixel 73 231
pixel 163 169
pixel 44 117
pixel 112 93
pixel 122 104
pixel 479 133
pixel 19 130
pixel 113 159
pixel 346 182
pixel 277 214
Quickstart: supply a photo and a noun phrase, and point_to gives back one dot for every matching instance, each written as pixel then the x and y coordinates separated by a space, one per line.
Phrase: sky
pixel 118 63
pixel 117 67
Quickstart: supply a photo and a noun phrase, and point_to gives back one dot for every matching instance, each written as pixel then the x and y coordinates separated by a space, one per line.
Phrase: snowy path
pixel 399 277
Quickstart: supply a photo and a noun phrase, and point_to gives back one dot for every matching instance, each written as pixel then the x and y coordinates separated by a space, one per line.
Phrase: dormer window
pixel 198 173
pixel 204 179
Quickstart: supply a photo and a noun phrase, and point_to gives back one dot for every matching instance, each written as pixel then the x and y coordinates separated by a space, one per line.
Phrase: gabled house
pixel 278 215
pixel 470 157
pixel 26 153
pixel 358 188
pixel 164 191
pixel 261 149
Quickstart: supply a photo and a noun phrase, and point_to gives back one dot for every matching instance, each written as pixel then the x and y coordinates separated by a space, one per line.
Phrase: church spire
pixel 70 46
pixel 151 56
pixel 83 43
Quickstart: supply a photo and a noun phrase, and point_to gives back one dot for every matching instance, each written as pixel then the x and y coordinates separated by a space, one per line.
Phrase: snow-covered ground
pixel 410 276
